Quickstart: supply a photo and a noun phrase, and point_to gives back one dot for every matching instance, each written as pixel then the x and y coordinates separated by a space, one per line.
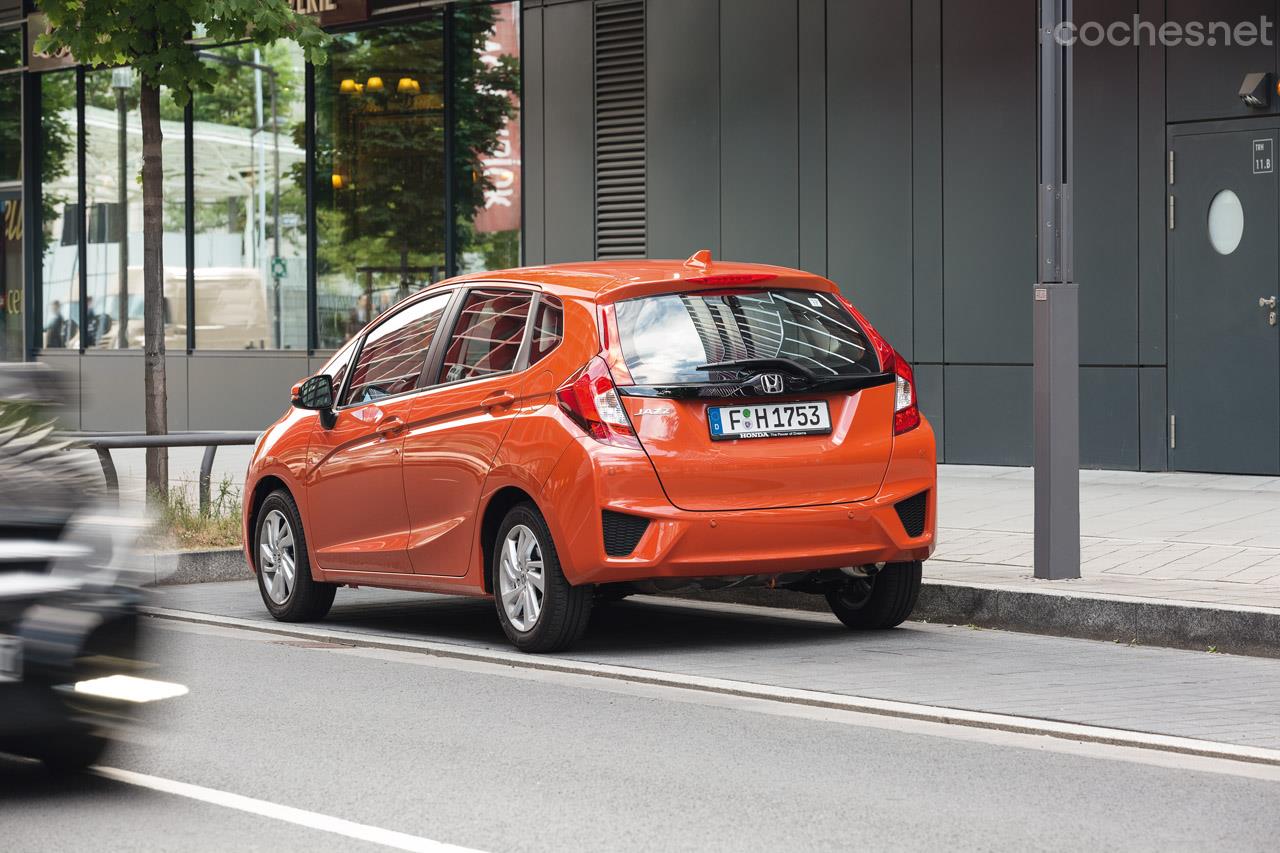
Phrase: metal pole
pixel 1056 316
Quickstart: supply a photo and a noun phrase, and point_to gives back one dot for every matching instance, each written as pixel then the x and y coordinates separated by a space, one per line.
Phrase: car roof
pixel 608 281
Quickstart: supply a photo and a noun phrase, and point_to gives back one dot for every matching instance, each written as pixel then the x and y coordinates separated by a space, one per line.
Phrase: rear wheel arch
pixel 494 512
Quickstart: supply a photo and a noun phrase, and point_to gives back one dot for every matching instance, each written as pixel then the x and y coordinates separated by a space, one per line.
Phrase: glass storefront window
pixel 250 200
pixel 487 149
pixel 381 185
pixel 113 163
pixel 11 275
pixel 59 214
pixel 380 172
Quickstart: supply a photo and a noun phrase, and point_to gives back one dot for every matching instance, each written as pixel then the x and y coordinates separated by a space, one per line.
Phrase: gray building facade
pixel 891 146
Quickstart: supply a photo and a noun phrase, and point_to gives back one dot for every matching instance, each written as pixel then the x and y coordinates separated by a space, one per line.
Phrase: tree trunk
pixel 156 403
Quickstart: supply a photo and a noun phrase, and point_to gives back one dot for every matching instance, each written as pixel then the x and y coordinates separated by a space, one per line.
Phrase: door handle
pixel 502 398
pixel 1267 302
pixel 390 426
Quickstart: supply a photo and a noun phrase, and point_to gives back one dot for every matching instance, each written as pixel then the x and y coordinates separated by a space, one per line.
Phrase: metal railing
pixel 104 443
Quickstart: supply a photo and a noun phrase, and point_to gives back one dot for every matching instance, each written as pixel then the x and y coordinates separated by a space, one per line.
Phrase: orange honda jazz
pixel 561 435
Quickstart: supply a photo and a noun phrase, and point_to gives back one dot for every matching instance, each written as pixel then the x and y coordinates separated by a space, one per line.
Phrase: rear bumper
pixel 678 543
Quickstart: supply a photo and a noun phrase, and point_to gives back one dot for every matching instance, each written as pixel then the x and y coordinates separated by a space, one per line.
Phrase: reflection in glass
pixel 11 333
pixel 10 127
pixel 59 212
pixel 113 163
pixel 250 203
pixel 379 173
pixel 487 157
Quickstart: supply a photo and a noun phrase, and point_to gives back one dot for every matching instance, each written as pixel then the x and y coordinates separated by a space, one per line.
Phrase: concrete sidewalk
pixel 1201 538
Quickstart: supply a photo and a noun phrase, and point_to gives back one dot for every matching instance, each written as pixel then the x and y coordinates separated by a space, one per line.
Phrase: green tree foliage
pixel 154 38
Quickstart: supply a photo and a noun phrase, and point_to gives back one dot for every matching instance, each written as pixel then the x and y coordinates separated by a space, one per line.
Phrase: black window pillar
pixel 82 227
pixel 189 189
pixel 32 221
pixel 313 308
pixel 450 128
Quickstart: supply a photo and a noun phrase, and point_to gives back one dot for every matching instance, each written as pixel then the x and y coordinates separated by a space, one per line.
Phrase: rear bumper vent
pixel 912 512
pixel 622 532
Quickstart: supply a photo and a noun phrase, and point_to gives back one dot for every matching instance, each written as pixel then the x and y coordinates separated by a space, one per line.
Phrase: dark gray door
pixel 1224 372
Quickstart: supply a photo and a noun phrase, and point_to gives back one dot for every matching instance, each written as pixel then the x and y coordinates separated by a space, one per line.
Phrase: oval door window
pixel 1226 222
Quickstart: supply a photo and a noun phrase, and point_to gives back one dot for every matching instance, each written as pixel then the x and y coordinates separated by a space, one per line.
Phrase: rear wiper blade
pixel 781 364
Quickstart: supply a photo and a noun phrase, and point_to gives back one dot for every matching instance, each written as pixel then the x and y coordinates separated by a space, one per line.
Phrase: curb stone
pixel 1146 621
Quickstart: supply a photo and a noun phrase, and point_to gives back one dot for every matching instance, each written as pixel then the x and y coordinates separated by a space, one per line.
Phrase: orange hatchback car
pixel 557 436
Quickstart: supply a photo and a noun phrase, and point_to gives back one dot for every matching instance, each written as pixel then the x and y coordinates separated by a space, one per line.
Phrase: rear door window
pixel 486 339
pixel 665 339
pixel 393 355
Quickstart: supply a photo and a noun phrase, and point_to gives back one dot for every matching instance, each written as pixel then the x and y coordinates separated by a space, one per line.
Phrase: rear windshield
pixel 665 339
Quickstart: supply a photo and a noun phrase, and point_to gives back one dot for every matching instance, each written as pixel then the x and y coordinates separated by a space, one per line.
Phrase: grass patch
pixel 181 526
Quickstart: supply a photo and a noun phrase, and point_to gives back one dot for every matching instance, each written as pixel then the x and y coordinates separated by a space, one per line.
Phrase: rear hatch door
pixel 755 398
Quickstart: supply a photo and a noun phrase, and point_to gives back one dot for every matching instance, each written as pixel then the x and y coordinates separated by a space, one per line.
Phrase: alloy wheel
pixel 277 556
pixel 521 582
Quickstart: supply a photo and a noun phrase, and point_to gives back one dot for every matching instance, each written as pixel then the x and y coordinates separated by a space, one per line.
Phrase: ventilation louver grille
pixel 912 513
pixel 620 129
pixel 622 532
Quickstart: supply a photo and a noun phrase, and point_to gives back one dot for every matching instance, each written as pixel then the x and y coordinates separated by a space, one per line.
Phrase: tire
pixel 289 598
pixel 69 752
pixel 546 620
pixel 887 604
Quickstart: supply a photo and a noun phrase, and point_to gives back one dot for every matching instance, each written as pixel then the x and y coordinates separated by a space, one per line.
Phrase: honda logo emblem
pixel 772 383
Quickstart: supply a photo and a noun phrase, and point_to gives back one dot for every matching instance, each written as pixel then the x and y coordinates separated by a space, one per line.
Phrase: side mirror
pixel 314 394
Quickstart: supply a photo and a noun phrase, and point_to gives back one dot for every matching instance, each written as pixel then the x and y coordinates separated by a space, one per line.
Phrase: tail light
pixel 591 401
pixel 906 409
pixel 883 351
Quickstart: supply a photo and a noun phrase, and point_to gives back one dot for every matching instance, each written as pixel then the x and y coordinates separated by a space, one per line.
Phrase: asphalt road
pixel 495 756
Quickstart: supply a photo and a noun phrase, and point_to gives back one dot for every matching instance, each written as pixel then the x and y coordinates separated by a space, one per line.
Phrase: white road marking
pixel 301 817
pixel 940 717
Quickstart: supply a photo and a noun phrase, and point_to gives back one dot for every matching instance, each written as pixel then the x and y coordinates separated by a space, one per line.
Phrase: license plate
pixel 769 420
pixel 10 658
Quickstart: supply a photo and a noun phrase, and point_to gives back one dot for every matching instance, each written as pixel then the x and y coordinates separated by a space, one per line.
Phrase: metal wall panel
pixel 68 366
pixel 929 390
pixel 261 384
pixel 533 169
pixel 759 137
pixel 1106 192
pixel 989 209
pixel 926 180
pixel 568 133
pixel 1152 188
pixel 1109 417
pixel 812 39
pixel 683 83
pixel 112 396
pixel 1204 80
pixel 869 147
pixel 988 410
pixel 1153 418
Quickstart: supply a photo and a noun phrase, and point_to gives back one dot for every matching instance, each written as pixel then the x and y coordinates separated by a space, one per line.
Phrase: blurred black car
pixel 70 670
